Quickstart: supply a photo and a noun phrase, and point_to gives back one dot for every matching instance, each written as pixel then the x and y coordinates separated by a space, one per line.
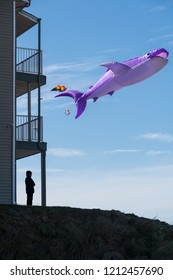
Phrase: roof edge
pixel 21 4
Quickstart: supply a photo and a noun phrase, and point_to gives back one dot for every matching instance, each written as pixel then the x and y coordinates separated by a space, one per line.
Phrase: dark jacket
pixel 29 185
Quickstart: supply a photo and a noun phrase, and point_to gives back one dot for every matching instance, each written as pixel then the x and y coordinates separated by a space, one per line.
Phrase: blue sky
pixel 119 153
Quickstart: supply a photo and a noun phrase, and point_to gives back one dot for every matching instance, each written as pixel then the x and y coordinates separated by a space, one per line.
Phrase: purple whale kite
pixel 119 75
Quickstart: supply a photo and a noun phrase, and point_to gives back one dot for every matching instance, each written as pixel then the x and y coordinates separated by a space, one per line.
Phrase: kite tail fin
pixel 79 100
pixel 81 105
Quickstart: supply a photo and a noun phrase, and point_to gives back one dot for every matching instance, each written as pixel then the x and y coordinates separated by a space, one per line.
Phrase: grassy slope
pixel 72 233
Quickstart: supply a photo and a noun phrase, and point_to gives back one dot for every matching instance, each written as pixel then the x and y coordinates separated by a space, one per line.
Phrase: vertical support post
pixel 29 111
pixel 39 73
pixel 14 190
pixel 43 178
pixel 43 152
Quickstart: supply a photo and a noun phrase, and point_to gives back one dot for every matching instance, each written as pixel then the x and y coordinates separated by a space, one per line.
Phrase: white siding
pixel 6 102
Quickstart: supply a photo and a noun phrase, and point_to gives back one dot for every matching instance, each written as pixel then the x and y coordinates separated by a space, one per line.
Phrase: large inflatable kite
pixel 119 75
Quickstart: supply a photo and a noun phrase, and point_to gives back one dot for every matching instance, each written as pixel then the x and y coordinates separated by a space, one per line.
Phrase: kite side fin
pixel 117 68
pixel 111 93
pixel 95 99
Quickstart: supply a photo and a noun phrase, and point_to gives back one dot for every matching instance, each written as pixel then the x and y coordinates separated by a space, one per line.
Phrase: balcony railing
pixel 27 60
pixel 27 128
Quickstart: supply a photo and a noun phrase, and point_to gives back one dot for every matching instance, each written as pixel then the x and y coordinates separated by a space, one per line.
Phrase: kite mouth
pixel 158 53
pixel 161 53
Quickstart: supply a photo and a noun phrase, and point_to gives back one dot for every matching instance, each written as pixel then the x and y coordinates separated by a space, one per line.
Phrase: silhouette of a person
pixel 29 183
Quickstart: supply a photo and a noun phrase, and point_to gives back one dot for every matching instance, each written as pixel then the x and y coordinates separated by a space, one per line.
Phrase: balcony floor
pixel 26 149
pixel 22 80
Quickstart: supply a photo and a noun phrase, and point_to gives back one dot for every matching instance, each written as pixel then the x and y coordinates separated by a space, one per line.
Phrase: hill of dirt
pixel 62 233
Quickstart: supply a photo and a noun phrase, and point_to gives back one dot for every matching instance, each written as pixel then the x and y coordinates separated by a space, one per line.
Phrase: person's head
pixel 28 173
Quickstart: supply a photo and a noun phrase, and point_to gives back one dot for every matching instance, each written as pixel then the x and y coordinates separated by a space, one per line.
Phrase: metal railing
pixel 27 60
pixel 27 128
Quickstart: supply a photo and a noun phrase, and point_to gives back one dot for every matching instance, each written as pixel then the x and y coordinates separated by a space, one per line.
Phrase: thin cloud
pixel 55 170
pixel 158 136
pixel 158 152
pixel 111 50
pixel 159 8
pixel 87 64
pixel 68 67
pixel 158 169
pixel 135 151
pixel 163 28
pixel 64 152
pixel 170 43
pixel 125 151
pixel 162 37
